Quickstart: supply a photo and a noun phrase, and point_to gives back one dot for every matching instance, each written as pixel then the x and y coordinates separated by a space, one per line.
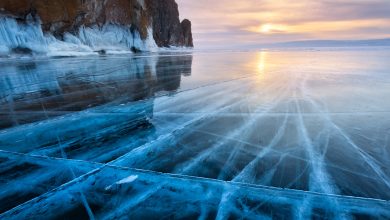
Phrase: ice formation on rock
pixel 108 39
pixel 66 28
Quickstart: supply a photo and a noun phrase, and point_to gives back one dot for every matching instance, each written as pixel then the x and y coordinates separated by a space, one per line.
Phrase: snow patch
pixel 126 180
pixel 129 179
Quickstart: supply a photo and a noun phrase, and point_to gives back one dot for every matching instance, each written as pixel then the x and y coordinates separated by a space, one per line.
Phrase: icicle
pixel 29 37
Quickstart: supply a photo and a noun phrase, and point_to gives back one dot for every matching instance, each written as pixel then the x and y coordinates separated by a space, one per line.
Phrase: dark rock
pixel 166 24
pixel 187 34
pixel 102 52
pixel 22 51
pixel 135 50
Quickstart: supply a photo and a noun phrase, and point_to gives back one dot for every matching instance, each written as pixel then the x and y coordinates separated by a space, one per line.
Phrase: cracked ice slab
pixel 275 134
pixel 145 194
pixel 24 177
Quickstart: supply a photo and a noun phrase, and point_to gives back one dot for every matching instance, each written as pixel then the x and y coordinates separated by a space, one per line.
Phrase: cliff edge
pixel 91 25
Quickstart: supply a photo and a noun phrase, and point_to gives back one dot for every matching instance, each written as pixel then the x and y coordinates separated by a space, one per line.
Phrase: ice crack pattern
pixel 254 135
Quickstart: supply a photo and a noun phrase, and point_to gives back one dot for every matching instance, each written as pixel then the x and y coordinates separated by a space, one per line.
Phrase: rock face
pixel 167 30
pixel 67 16
pixel 187 33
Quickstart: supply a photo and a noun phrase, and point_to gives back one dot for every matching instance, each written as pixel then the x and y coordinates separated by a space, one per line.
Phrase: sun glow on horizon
pixel 268 28
pixel 320 29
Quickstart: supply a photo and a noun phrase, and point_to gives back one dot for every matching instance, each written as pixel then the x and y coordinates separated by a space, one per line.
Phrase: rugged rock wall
pixel 168 30
pixel 67 16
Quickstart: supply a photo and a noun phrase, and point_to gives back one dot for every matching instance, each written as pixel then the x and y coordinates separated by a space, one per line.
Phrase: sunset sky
pixel 220 23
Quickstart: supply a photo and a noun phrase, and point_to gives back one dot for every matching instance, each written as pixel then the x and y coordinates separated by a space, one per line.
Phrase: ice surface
pixel 112 39
pixel 285 135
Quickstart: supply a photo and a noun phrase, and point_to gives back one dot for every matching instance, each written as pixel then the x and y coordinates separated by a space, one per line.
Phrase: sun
pixel 266 28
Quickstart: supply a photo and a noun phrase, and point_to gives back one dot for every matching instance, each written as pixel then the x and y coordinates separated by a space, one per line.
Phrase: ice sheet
pixel 271 134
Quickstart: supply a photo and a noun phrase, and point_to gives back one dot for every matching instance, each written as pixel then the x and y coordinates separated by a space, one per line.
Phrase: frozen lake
pixel 273 134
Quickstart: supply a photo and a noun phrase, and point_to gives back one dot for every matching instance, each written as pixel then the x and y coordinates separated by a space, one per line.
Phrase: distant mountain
pixel 332 43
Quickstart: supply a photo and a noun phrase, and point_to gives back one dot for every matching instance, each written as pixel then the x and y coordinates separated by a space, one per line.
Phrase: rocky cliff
pixel 95 23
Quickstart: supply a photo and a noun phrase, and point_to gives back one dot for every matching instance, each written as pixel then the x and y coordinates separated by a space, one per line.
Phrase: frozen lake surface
pixel 271 134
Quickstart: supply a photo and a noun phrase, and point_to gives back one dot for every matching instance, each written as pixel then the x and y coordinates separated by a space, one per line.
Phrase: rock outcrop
pixel 58 17
pixel 187 32
pixel 167 30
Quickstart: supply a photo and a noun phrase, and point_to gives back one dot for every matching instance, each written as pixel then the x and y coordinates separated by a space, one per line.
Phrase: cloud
pixel 234 22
